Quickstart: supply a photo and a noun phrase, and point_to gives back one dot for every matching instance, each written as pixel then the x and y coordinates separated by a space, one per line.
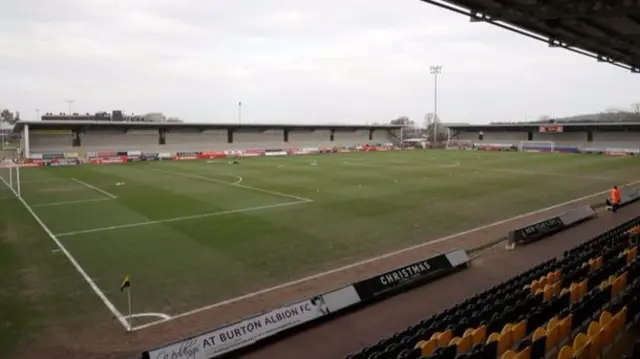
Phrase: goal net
pixel 459 145
pixel 10 178
pixel 537 146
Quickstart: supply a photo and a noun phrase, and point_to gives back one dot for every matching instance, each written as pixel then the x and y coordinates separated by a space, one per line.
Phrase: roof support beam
pixel 568 11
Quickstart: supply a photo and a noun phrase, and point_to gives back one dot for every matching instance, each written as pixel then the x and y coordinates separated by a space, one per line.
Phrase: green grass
pixel 256 234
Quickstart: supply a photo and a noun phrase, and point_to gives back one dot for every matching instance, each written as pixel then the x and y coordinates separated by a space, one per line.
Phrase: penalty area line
pixel 112 196
pixel 40 205
pixel 238 184
pixel 183 218
pixel 374 259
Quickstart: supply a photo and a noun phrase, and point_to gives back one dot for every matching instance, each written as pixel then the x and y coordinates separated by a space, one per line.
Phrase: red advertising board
pixel 182 158
pixel 107 160
pixel 211 155
pixel 107 154
pixel 552 128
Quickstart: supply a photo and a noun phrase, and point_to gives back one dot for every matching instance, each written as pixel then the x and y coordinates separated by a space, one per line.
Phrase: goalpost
pixel 537 146
pixel 459 145
pixel 10 178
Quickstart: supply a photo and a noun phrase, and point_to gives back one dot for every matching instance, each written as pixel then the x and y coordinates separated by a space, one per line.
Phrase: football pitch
pixel 194 233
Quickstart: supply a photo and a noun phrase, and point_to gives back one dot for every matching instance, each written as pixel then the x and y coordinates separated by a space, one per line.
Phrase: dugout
pixel 96 136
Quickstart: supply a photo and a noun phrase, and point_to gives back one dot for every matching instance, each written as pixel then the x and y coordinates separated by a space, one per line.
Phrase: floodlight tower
pixel 435 71
pixel 69 103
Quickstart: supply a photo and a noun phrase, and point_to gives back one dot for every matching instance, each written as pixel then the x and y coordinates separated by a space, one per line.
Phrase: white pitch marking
pixel 69 202
pixel 45 181
pixel 116 313
pixel 549 174
pixel 184 218
pixel 275 193
pixel 112 196
pixel 366 261
pixel 238 181
pixel 142 315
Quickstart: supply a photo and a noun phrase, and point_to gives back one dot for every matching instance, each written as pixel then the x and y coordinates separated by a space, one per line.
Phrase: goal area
pixel 537 146
pixel 10 178
pixel 459 145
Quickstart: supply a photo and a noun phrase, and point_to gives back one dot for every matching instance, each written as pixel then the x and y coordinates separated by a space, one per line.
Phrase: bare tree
pixel 635 108
pixel 7 116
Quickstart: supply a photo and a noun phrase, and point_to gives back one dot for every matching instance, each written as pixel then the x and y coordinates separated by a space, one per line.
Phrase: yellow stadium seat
pixel 444 338
pixel 524 354
pixel 605 317
pixel 581 346
pixel 465 344
pixel 539 333
pixel 504 343
pixel 552 337
pixel 479 335
pixel 468 332
pixel 566 352
pixel 428 347
pixel 593 332
pixel 509 354
pixel 565 327
pixel 493 337
pixel 518 331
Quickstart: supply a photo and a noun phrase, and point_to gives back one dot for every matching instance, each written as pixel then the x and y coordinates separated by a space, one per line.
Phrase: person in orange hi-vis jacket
pixel 614 199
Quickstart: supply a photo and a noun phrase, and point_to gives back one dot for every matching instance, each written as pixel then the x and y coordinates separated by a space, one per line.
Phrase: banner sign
pixel 186 156
pixel 253 152
pixel 106 154
pixel 243 333
pixel 66 162
pixel 577 215
pixel 211 155
pixel 373 287
pixel 165 155
pixel 35 156
pixel 551 226
pixel 108 160
pixel 276 153
pixel 71 155
pixel 50 156
pixel 629 195
pixel 550 129
pixel 134 153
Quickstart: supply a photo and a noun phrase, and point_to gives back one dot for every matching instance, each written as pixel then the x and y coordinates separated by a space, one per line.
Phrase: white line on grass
pixel 184 218
pixel 112 196
pixel 370 260
pixel 44 180
pixel 549 174
pixel 159 315
pixel 69 202
pixel 116 313
pixel 208 179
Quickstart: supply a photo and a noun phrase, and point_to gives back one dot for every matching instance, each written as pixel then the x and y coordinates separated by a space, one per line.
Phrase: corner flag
pixel 126 283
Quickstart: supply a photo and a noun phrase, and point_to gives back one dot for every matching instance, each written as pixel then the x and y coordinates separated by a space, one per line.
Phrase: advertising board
pixel 243 333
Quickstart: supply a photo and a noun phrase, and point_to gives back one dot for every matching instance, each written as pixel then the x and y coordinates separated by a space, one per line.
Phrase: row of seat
pixel 504 319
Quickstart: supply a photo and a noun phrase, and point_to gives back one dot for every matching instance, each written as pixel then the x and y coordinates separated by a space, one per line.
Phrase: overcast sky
pixel 339 61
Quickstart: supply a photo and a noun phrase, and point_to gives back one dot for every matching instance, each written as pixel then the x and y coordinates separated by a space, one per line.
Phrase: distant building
pixel 114 116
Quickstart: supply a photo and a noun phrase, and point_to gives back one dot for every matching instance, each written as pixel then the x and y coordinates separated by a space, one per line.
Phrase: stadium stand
pixel 573 307
pixel 85 137
pixel 571 137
